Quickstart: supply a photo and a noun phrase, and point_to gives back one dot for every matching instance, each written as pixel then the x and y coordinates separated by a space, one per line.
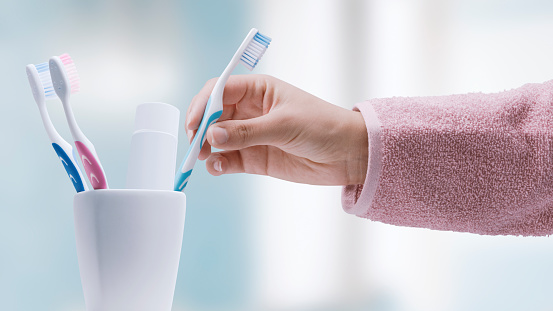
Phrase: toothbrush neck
pixel 226 74
pixel 50 130
pixel 75 130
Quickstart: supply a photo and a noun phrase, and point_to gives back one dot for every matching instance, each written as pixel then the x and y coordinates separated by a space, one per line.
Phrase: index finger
pixel 236 88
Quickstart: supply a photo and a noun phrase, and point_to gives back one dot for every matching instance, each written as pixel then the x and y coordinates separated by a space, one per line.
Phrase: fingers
pixel 226 162
pixel 205 151
pixel 189 132
pixel 197 106
pixel 240 134
pixel 248 89
pixel 236 88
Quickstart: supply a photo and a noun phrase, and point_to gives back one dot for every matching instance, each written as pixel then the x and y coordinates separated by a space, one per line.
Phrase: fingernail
pixel 219 135
pixel 217 165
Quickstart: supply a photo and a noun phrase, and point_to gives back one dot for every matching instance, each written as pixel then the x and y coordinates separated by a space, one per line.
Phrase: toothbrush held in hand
pixel 249 53
pixel 66 81
pixel 41 85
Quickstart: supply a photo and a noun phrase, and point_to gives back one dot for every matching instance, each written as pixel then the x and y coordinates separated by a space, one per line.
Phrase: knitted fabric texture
pixel 479 163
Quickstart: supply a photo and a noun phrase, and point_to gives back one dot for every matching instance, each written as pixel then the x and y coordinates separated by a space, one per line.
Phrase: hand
pixel 269 127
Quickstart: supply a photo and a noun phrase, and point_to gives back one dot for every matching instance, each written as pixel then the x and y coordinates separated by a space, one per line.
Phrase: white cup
pixel 128 245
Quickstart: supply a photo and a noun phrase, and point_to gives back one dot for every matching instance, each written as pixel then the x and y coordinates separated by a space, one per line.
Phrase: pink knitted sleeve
pixel 480 163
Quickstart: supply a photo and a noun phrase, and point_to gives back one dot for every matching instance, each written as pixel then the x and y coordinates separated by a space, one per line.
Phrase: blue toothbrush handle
pixel 72 169
pixel 185 170
pixel 181 180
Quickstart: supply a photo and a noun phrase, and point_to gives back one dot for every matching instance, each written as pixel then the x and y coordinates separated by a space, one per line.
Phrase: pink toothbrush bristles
pixel 71 71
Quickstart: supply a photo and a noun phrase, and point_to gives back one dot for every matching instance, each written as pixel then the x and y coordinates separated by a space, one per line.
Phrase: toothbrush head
pixel 40 81
pixel 257 45
pixel 72 73
pixel 65 78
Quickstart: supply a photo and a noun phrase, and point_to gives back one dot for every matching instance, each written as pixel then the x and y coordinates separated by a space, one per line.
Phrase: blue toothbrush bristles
pixel 255 50
pixel 44 75
pixel 262 39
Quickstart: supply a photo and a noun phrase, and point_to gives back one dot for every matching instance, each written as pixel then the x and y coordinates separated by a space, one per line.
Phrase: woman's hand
pixel 269 127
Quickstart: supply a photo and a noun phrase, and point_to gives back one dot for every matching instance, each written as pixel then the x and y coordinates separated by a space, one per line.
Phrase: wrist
pixel 358 149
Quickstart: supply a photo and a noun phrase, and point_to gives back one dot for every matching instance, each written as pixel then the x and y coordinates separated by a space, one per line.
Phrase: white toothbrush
pixel 66 81
pixel 41 85
pixel 249 53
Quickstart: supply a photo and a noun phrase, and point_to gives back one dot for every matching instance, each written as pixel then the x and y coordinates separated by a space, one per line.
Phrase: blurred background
pixel 251 242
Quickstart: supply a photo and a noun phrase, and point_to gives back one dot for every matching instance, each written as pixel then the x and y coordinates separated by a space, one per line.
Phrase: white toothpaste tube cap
pixel 159 117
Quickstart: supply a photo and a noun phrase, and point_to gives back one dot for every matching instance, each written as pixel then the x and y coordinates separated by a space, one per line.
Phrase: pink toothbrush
pixel 66 81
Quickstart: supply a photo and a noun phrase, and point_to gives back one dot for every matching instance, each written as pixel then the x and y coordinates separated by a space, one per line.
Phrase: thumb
pixel 239 134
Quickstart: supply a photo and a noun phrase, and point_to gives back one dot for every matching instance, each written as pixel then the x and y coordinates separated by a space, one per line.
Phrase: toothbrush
pixel 249 53
pixel 66 81
pixel 41 86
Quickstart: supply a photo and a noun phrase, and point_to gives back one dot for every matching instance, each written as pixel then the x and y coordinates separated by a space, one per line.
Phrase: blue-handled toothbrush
pixel 41 85
pixel 249 53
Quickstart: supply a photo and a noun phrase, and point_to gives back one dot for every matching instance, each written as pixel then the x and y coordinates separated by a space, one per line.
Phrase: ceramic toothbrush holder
pixel 129 245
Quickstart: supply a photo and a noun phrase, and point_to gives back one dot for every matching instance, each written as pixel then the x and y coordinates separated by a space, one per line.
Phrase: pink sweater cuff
pixel 356 199
pixel 479 163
